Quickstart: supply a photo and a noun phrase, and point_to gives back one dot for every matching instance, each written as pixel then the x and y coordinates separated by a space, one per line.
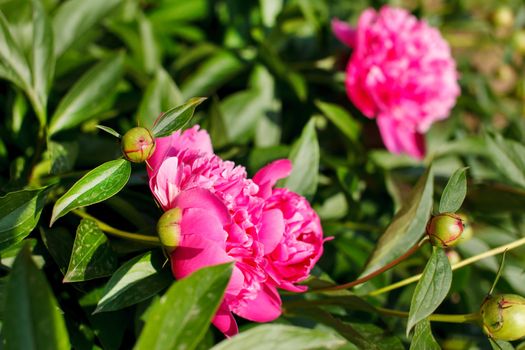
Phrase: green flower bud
pixel 518 41
pixel 138 145
pixel 168 229
pixel 453 256
pixel 444 230
pixel 504 316
pixel 468 232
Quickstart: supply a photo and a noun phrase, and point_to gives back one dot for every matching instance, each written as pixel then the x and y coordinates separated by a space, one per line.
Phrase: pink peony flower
pixel 402 73
pixel 228 217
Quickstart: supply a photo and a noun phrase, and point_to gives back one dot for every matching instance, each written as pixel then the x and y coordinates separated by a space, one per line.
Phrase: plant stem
pixel 461 318
pixel 377 272
pixel 151 240
pixel 460 264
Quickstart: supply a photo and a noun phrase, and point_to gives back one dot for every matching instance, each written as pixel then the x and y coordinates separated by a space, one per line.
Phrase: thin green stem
pixel 471 260
pixel 151 240
pixel 376 272
pixel 461 318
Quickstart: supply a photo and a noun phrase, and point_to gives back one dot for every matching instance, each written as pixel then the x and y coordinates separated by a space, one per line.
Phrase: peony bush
pixel 261 175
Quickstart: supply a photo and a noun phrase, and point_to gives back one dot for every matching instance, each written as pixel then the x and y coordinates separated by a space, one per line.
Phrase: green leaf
pixel 19 214
pixel 75 17
pixel 109 131
pixel 213 73
pixel 454 192
pixel 34 319
pixel 341 118
pixel 305 160
pixel 180 318
pixel 423 338
pixel 42 57
pixel 92 256
pixel 282 337
pixel 13 63
pixel 83 100
pixel 407 226
pixel 500 345
pixel 509 158
pixel 176 118
pixel 138 279
pixel 431 289
pixel 59 244
pixel 161 93
pixel 241 111
pixel 96 186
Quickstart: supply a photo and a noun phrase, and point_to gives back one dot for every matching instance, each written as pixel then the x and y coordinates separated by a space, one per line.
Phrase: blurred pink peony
pixel 402 73
pixel 226 218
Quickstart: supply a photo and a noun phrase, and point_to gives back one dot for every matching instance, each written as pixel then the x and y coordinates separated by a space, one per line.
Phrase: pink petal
pixel 202 222
pixel 265 307
pixel 344 33
pixel 204 199
pixel 224 321
pixel 165 184
pixel 400 139
pixel 162 150
pixel 267 176
pixel 272 229
pixel 195 252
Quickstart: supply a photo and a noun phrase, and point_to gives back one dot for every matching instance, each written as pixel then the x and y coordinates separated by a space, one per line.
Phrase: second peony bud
pixel 504 317
pixel 168 229
pixel 444 230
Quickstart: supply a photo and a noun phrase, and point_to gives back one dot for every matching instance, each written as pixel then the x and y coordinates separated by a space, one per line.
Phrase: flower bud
pixel 503 316
pixel 137 144
pixel 444 230
pixel 468 232
pixel 168 229
pixel 518 41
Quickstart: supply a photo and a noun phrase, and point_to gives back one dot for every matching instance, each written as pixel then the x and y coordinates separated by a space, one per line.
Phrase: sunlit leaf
pixel 176 118
pixel 99 184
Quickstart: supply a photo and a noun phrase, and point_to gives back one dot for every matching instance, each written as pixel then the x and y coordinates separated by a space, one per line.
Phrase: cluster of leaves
pixel 274 75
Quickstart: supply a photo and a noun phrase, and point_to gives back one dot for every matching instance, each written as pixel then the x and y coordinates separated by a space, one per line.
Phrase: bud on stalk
pixel 444 230
pixel 504 317
pixel 168 229
pixel 138 145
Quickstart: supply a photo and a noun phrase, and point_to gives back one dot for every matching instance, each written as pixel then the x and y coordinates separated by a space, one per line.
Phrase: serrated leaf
pixel 454 192
pixel 176 118
pixel 97 185
pixel 407 227
pixel 161 93
pixel 431 289
pixel 42 57
pixel 180 318
pixel 282 337
pixel 91 256
pixel 19 214
pixel 138 279
pixel 75 17
pixel 83 99
pixel 305 156
pixel 423 338
pixel 341 118
pixel 35 320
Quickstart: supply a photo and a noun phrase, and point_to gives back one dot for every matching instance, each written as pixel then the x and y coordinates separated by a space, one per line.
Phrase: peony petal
pixel 224 321
pixel 344 32
pixel 164 185
pixel 162 150
pixel 204 199
pixel 196 252
pixel 265 307
pixel 272 229
pixel 270 174
pixel 399 139
pixel 203 222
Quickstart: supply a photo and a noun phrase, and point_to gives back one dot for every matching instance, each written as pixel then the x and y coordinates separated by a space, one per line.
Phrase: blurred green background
pixel 269 68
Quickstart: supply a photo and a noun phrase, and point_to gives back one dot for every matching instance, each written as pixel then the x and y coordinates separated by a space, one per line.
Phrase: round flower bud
pixel 444 230
pixel 503 317
pixel 137 144
pixel 168 229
